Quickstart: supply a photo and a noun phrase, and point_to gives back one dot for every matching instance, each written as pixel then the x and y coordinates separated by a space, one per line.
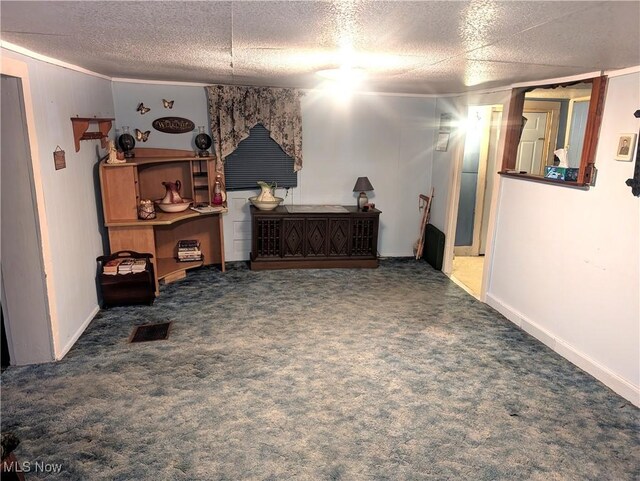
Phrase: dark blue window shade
pixel 258 157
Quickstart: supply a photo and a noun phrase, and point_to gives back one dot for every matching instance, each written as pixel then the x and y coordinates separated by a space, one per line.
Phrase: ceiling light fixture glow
pixel 344 74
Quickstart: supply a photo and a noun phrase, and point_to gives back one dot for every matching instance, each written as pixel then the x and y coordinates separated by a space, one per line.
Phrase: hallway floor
pixel 468 271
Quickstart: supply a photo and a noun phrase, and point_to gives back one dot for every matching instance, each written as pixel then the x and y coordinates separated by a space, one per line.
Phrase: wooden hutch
pixel 124 185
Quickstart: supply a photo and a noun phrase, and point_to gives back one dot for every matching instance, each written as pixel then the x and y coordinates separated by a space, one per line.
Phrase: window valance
pixel 235 109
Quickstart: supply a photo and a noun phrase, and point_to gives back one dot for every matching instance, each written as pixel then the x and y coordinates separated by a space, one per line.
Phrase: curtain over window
pixel 235 109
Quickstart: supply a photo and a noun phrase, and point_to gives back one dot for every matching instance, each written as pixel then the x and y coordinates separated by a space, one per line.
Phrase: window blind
pixel 258 157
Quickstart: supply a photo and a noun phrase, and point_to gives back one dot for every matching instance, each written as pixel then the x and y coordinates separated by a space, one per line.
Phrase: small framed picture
pixel 445 122
pixel 624 149
pixel 443 142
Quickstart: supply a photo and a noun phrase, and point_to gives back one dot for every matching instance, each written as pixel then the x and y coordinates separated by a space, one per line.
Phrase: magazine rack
pixel 127 289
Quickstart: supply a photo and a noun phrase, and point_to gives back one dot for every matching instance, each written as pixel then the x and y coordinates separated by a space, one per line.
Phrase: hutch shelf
pixel 315 239
pixel 124 185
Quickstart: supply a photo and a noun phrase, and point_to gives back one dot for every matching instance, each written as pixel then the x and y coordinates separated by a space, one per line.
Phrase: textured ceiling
pixel 414 47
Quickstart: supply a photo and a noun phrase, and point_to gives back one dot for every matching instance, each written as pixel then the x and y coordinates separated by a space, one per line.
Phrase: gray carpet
pixel 386 374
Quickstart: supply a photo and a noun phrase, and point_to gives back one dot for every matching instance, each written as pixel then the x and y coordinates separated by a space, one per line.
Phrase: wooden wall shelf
pixel 81 125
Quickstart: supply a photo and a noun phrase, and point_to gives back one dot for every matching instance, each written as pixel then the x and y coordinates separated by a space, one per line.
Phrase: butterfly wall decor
pixel 142 109
pixel 142 136
pixel 168 104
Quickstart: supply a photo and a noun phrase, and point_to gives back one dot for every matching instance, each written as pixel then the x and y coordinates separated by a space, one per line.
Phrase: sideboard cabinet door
pixel 267 235
pixel 338 237
pixel 364 235
pixel 293 237
pixel 316 238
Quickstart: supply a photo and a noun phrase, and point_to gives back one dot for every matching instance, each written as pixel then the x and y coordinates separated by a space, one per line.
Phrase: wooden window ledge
pixel 544 180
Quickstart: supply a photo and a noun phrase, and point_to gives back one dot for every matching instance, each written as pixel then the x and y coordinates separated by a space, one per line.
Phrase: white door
pixel 578 113
pixel 531 148
pixel 492 169
pixel 24 297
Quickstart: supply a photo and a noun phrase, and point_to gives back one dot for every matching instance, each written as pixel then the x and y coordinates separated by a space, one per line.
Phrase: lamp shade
pixel 362 185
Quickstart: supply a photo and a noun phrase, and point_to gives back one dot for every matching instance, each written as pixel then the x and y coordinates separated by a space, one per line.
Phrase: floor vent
pixel 150 332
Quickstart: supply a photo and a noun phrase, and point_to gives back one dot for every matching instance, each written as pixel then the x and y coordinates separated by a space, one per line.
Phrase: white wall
pixel 190 102
pixel 444 162
pixel 72 224
pixel 388 139
pixel 566 263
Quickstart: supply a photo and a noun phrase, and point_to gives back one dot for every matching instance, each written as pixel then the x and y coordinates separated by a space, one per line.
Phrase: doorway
pixel 25 306
pixel 477 177
pixel 538 140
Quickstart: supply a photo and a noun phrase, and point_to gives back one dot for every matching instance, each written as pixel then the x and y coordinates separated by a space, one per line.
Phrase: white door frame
pixel 454 197
pixel 474 248
pixel 16 68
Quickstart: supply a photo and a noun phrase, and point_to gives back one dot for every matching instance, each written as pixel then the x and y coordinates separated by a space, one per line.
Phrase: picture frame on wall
pixel 445 122
pixel 625 147
pixel 443 142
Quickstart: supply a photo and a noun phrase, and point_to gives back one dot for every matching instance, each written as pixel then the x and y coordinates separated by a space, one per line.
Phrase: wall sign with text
pixel 173 125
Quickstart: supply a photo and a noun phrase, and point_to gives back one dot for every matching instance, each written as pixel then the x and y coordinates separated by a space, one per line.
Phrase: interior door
pixel 492 169
pixel 531 148
pixel 24 302
pixel 577 128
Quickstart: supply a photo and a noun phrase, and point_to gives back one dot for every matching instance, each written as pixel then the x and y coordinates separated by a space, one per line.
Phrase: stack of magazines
pixel 189 250
pixel 124 265
pixel 110 268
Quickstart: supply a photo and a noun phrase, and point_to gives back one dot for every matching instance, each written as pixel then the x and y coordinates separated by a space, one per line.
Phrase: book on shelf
pixel 188 243
pixel 207 209
pixel 189 253
pixel 189 250
pixel 196 256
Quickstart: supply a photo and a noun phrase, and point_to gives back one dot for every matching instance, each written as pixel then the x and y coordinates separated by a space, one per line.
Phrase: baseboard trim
pixel 621 386
pixel 76 336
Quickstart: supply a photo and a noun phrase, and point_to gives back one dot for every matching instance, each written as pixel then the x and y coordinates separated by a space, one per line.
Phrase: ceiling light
pixel 344 74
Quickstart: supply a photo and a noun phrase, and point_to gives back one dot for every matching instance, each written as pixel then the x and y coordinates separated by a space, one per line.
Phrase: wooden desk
pixel 123 185
pixel 293 240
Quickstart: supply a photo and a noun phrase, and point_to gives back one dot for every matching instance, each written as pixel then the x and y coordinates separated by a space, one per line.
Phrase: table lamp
pixel 362 185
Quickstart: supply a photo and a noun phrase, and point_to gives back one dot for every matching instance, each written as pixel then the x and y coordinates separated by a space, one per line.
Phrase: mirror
pixel 554 125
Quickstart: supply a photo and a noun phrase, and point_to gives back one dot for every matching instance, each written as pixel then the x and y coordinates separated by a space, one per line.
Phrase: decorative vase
pixel 266 193
pixel 203 142
pixel 127 142
pixel 173 193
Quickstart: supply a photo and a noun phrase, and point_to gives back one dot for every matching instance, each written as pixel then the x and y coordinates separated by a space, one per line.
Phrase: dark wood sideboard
pixel 284 240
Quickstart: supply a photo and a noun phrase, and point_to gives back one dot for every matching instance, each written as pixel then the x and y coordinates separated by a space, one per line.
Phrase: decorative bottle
pixel 217 191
